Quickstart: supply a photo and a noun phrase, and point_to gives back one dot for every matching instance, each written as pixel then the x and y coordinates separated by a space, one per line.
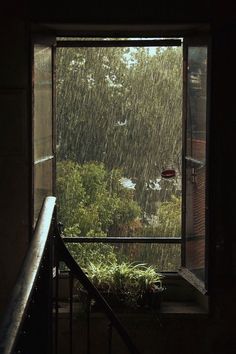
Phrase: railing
pixel 31 323
pixel 75 272
pixel 27 325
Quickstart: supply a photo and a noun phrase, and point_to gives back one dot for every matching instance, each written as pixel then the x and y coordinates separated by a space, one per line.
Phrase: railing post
pixel 109 338
pixel 56 293
pixel 71 281
pixel 88 323
pixel 93 293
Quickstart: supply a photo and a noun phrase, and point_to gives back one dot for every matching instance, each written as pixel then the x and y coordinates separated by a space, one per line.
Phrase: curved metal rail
pixel 12 323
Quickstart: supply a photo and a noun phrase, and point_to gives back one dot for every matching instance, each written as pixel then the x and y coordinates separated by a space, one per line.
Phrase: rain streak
pixel 119 126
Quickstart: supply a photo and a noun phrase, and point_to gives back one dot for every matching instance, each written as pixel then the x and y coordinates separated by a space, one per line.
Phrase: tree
pixel 91 200
pixel 122 107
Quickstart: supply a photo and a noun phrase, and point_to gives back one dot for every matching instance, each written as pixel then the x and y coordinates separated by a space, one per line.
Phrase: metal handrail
pixel 93 291
pixel 21 295
pixel 13 324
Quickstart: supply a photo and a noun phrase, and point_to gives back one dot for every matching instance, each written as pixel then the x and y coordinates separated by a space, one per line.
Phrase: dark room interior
pixel 26 24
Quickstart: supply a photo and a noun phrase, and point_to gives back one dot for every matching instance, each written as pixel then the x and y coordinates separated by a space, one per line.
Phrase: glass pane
pixel 163 257
pixel 42 184
pixel 195 220
pixel 196 102
pixel 119 126
pixel 42 102
pixel 195 162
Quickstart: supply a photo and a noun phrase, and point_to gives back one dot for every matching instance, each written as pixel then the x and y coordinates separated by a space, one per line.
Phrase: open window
pixel 119 148
pixel 135 150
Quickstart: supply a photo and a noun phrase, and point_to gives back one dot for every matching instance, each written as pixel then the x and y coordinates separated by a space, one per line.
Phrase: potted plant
pixel 127 284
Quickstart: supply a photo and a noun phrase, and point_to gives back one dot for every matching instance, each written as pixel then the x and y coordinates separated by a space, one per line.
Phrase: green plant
pixel 127 282
pixel 91 199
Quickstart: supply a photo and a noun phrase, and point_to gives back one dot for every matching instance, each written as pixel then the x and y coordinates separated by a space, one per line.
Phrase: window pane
pixel 196 101
pixel 195 220
pixel 42 184
pixel 42 102
pixel 164 257
pixel 195 162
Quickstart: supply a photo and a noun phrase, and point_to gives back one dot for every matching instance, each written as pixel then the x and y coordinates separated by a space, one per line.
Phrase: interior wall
pixel 14 151
pixel 104 11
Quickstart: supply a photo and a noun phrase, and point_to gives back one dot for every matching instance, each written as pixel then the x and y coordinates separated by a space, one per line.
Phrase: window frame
pixel 193 41
pixel 188 33
pixel 128 42
pixel 187 41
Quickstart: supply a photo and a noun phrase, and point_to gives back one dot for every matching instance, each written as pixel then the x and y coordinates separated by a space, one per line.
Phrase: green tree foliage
pixel 91 199
pixel 167 220
pixel 93 202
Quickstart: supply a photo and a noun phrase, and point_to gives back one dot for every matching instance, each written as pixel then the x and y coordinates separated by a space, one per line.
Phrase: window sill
pixel 168 309
pixel 187 309
pixel 180 299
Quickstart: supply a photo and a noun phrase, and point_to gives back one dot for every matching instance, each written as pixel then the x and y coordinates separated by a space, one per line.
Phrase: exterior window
pixel 131 154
